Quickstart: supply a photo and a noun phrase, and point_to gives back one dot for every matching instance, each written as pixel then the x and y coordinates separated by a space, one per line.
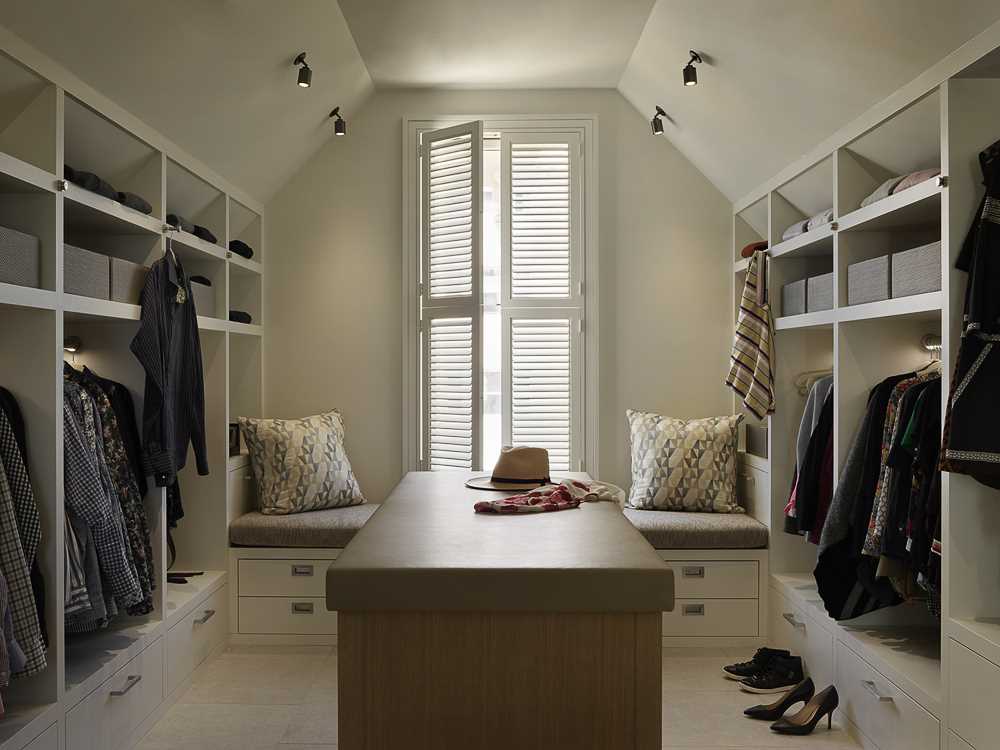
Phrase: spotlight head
pixel 340 124
pixel 305 72
pixel 690 72
pixel 656 123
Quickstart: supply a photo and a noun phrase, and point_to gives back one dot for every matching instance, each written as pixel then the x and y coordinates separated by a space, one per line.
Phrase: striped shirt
pixel 751 374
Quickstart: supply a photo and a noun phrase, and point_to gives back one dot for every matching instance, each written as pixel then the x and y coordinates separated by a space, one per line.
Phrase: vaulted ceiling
pixel 215 76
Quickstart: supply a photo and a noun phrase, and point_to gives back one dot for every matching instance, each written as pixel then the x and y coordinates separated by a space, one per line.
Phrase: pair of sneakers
pixel 769 671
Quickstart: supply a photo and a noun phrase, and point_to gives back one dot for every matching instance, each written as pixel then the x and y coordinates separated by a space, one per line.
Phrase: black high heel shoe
pixel 824 703
pixel 801 693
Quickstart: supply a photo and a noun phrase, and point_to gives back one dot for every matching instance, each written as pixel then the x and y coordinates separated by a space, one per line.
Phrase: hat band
pixel 543 480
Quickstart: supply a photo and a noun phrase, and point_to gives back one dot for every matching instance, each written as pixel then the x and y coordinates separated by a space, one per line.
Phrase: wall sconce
pixel 656 123
pixel 339 125
pixel 305 72
pixel 690 72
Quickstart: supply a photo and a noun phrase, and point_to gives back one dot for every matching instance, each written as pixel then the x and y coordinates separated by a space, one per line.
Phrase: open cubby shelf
pixel 43 127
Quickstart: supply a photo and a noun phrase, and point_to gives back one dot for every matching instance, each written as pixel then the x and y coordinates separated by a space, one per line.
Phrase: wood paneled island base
pixel 499 681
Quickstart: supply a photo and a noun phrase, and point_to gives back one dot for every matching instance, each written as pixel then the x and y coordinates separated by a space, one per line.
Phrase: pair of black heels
pixel 817 705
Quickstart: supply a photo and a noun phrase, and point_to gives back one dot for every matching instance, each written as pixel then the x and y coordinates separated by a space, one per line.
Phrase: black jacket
pixel 169 350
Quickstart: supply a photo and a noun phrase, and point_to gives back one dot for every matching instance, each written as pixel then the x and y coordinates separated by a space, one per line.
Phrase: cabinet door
pixel 47 740
pixel 972 699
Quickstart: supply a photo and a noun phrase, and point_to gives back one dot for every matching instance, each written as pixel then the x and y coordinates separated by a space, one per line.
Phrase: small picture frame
pixel 234 439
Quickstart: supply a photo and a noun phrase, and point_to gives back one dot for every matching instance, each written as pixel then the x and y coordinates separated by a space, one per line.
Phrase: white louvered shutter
pixel 451 280
pixel 542 306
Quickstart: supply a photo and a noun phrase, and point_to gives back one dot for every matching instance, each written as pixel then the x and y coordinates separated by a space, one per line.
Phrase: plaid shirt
pixel 25 508
pixel 91 495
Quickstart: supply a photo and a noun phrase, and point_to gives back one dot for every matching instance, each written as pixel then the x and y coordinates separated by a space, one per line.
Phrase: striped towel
pixel 751 374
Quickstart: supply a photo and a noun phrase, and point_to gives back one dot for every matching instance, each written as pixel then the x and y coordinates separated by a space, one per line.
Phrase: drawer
pixel 793 629
pixel 191 640
pixel 883 712
pixel 972 697
pixel 106 719
pixel 292 616
pixel 711 617
pixel 957 743
pixel 735 579
pixel 295 578
pixel 47 740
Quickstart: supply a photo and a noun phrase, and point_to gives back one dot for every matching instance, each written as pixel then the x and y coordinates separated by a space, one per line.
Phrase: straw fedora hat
pixel 518 468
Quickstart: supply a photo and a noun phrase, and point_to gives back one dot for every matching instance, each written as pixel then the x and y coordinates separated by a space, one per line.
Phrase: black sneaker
pixel 758 664
pixel 784 673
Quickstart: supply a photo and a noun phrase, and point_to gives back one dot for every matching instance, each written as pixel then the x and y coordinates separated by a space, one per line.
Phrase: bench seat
pixel 666 529
pixel 333 528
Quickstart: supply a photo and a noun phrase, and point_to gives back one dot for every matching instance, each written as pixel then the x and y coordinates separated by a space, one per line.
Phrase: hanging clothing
pixel 752 374
pixel 75 598
pixel 815 486
pixel 971 442
pixel 168 347
pixel 815 402
pixel 124 408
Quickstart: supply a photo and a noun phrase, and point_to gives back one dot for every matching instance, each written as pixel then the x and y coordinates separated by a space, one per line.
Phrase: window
pixel 498 342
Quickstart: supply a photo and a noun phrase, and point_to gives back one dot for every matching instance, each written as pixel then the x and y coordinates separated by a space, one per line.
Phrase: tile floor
pixel 285 698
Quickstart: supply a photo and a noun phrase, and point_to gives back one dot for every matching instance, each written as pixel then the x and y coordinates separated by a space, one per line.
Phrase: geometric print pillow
pixel 683 464
pixel 300 464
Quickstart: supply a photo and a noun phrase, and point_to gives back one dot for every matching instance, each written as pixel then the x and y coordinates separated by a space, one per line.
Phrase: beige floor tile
pixel 309 746
pixel 693 653
pixel 710 720
pixel 219 727
pixel 257 679
pixel 703 673
pixel 312 724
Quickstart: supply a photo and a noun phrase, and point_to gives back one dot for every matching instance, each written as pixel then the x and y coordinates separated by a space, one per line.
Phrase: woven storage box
pixel 204 299
pixel 868 281
pixel 86 273
pixel 819 292
pixel 793 298
pixel 127 280
pixel 917 271
pixel 19 258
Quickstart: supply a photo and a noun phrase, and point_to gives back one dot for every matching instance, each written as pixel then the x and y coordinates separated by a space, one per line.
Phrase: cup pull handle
pixel 693 610
pixel 302 570
pixel 794 621
pixel 693 571
pixel 872 688
pixel 131 681
pixel 302 608
pixel 206 616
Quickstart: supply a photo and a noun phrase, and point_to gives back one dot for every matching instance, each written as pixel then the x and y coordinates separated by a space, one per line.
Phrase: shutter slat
pixel 450 394
pixel 450 213
pixel 541 412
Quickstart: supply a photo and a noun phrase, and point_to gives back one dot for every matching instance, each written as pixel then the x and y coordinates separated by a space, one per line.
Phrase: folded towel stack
pixel 93 183
pixel 896 185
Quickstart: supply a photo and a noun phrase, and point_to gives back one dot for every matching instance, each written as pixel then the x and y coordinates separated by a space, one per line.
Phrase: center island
pixel 494 632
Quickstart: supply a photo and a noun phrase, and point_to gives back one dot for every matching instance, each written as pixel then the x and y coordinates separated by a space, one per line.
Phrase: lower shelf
pixel 979 635
pixel 903 643
pixel 181 598
pixel 93 657
pixel 21 723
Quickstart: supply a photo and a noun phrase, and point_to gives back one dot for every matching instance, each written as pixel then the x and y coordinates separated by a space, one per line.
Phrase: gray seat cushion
pixel 668 529
pixel 333 527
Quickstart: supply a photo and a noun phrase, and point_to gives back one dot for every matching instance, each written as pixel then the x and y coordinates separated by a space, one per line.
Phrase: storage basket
pixel 917 271
pixel 819 292
pixel 126 280
pixel 86 273
pixel 868 281
pixel 204 299
pixel 19 262
pixel 793 298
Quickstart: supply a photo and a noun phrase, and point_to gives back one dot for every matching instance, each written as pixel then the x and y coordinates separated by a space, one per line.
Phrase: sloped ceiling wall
pixel 783 75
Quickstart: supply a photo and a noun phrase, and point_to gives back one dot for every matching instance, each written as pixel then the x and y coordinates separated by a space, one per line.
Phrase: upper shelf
pixel 917 206
pixel 197 201
pixel 27 115
pixel 245 225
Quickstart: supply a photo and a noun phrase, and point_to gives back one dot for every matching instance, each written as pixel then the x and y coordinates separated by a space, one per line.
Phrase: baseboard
pixel 748 643
pixel 268 639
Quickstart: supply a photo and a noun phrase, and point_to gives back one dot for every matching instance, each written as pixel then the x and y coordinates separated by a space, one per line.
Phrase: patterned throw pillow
pixel 682 464
pixel 300 464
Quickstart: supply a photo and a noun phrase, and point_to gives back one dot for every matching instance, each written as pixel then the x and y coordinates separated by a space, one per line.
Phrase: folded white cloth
pixel 794 230
pixel 882 191
pixel 823 217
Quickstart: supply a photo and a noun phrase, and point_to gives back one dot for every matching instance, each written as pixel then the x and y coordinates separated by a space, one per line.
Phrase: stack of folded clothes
pixel 895 185
pixel 179 222
pixel 241 248
pixel 807 225
pixel 93 183
pixel 239 316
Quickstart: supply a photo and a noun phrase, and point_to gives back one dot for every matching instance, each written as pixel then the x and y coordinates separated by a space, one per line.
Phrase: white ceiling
pixel 517 44
pixel 784 74
pixel 215 76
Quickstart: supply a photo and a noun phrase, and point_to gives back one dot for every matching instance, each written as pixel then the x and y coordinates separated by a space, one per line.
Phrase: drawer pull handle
pixel 302 608
pixel 794 621
pixel 694 610
pixel 206 616
pixel 693 571
pixel 872 688
pixel 302 570
pixel 130 682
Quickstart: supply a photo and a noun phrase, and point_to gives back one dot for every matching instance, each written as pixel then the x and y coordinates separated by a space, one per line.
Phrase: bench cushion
pixel 333 527
pixel 667 529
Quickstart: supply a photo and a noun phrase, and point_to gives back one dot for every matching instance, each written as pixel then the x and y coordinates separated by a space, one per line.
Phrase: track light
pixel 690 72
pixel 305 72
pixel 339 125
pixel 72 345
pixel 656 123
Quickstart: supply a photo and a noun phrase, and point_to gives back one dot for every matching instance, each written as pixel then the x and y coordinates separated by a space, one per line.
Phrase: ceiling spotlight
pixel 656 123
pixel 690 72
pixel 339 125
pixel 305 72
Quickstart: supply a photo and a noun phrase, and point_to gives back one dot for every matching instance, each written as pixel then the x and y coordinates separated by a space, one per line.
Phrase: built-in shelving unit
pixel 943 124
pixel 49 119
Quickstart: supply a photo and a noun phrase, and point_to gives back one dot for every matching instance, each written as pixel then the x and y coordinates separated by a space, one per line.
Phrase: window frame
pixel 587 128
